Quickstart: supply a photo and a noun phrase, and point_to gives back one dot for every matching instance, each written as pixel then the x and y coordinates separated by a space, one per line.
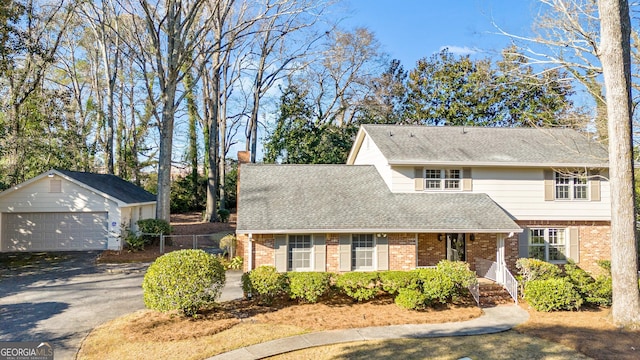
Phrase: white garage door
pixel 54 231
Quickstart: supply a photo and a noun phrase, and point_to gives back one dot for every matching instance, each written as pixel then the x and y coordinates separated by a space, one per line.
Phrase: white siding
pixel 402 179
pixel 36 197
pixel 521 193
pixel 370 154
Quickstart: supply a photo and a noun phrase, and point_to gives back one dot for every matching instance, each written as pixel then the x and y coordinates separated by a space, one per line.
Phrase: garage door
pixel 54 231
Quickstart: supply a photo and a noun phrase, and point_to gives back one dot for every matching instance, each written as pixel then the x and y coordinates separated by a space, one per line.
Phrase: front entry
pixel 456 247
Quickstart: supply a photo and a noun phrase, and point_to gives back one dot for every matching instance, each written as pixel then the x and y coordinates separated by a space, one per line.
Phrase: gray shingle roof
pixel 486 146
pixel 344 198
pixel 113 186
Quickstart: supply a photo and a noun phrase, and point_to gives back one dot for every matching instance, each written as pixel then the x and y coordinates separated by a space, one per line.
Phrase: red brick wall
pixel 430 250
pixel 511 253
pixel 402 251
pixel 594 240
pixel 241 250
pixel 333 257
pixel 483 246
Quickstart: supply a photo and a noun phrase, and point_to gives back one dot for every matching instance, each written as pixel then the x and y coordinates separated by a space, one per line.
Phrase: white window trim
pixel 572 186
pixel 311 254
pixel 442 179
pixel 374 262
pixel 547 244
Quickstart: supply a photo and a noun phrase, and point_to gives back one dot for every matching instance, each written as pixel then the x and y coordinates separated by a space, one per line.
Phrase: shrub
pixel 359 286
pixel 578 277
pixel 235 263
pixel 228 243
pixel 410 299
pixel 534 269
pixel 224 215
pixel 392 281
pixel 153 226
pixel 308 286
pixel 437 286
pixel 184 280
pixel 596 291
pixel 134 243
pixel 552 294
pixel 600 291
pixel 266 284
pixel 459 273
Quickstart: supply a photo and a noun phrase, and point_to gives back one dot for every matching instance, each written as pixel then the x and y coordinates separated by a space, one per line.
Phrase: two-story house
pixel 410 196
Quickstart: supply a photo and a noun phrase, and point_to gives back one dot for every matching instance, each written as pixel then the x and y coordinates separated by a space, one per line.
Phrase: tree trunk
pixel 213 151
pixel 615 56
pixel 163 210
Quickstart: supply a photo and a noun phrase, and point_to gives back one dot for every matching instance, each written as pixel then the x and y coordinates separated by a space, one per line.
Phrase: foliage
pixel 459 273
pixel 228 243
pixel 234 263
pixel 308 286
pixel 298 138
pixel 265 283
pixel 552 295
pixel 534 269
pixel 153 226
pixel 224 215
pixel 184 280
pixel 410 299
pixel 186 198
pixel 359 286
pixel 436 286
pixel 134 242
pixel 230 185
pixel 449 90
pixel 392 281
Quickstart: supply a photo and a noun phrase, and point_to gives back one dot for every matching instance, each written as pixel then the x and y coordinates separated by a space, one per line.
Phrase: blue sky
pixel 413 29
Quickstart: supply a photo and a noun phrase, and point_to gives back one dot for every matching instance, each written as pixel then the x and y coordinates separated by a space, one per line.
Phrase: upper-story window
pixel 443 179
pixel 571 186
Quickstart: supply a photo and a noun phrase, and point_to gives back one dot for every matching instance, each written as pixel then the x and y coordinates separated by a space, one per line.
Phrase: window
pixel 299 252
pixel 362 251
pixel 447 179
pixel 571 186
pixel 548 244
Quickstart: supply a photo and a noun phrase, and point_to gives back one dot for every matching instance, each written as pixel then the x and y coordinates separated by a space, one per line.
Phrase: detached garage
pixel 71 211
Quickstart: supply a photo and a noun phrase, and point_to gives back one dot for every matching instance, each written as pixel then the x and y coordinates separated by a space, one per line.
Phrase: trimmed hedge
pixel 410 299
pixel 552 294
pixel 184 280
pixel 308 286
pixel 264 283
pixel 459 273
pixel 359 286
pixel 534 269
pixel 392 282
pixel 436 286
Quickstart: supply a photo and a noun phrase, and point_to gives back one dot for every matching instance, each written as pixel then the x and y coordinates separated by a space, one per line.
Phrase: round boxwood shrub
pixel 308 286
pixel 552 294
pixel 459 273
pixel 392 281
pixel 410 299
pixel 265 283
pixel 437 286
pixel 184 280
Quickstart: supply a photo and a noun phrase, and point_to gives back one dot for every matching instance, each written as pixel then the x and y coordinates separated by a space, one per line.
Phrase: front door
pixel 456 247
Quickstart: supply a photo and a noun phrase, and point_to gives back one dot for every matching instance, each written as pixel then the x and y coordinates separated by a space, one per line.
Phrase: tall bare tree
pixel 614 53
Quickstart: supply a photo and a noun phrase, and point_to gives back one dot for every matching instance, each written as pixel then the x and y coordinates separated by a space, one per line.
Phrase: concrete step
pixel 492 294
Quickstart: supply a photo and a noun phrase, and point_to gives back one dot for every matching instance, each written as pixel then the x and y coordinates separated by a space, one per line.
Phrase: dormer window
pixel 442 179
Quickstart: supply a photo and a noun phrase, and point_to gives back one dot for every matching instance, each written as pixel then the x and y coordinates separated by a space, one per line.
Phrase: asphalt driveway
pixel 60 297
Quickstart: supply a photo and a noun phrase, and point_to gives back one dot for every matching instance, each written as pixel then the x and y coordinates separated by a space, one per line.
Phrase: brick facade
pixel 405 254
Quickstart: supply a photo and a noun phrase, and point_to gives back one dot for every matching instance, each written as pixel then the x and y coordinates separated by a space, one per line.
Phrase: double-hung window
pixel 548 244
pixel 571 186
pixel 362 251
pixel 300 247
pixel 442 179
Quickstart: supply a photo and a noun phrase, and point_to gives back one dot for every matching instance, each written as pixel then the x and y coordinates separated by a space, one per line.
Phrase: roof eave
pixel 355 149
pixel 498 164
pixel 379 230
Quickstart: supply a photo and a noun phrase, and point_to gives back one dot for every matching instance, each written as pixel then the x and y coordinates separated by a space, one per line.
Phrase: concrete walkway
pixel 494 320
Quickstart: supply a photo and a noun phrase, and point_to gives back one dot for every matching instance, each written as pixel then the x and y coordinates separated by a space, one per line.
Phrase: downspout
pixel 250 253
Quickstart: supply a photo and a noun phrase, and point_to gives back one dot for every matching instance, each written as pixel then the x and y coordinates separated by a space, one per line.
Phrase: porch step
pixel 492 294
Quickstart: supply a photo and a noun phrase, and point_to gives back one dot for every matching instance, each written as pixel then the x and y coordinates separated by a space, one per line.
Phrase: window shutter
pixel 594 187
pixel 280 253
pixel 574 244
pixel 418 179
pixel 467 183
pixel 382 249
pixel 548 185
pixel 344 252
pixel 523 243
pixel 319 253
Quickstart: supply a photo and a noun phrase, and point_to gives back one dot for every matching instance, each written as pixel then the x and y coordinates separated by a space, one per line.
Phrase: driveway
pixel 60 297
